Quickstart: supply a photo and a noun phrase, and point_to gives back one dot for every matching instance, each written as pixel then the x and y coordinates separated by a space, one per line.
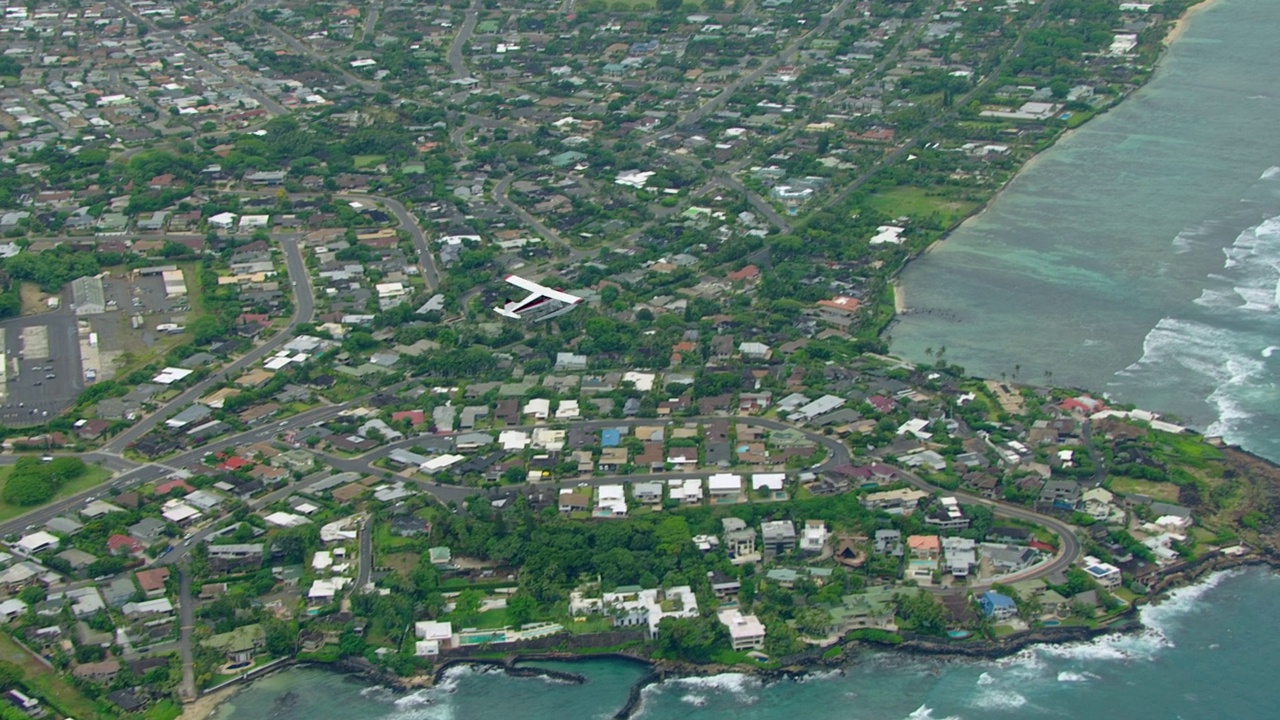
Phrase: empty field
pixel 949 206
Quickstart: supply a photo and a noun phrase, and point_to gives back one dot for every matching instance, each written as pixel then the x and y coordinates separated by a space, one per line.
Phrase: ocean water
pixel 1207 652
pixel 1141 255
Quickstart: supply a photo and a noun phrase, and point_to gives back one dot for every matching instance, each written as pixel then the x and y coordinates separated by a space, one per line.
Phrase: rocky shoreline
pixel 794 667
pixel 817 660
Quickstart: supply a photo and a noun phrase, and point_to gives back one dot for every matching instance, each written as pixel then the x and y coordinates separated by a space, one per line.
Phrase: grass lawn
pixel 163 710
pixel 368 161
pixel 1185 449
pixel 93 475
pixel 918 203
pixel 47 683
pixel 386 543
pixel 1129 486
pixel 485 620
pixel 403 563
pixel 1125 594
pixel 592 624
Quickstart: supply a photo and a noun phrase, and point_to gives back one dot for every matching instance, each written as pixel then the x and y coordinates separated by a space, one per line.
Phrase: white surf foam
pixel 1271 172
pixel 924 712
pixel 1066 676
pixel 742 687
pixel 993 699
pixel 694 700
pixel 1269 350
pixel 425 704
pixel 986 679
pixel 819 676
pixel 375 691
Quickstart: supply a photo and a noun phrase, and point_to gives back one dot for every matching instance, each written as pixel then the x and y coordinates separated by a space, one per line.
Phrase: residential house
pixel 746 632
pixel 997 606
pixel 815 535
pixel 778 537
pixel 739 540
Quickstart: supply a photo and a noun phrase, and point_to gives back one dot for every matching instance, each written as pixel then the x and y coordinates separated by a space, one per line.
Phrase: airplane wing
pixel 543 290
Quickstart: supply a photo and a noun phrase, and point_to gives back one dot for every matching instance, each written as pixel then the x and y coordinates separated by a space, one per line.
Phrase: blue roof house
pixel 997 606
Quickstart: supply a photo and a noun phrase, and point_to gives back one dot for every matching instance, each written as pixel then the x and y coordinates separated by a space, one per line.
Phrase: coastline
pixel 1180 25
pixel 1176 30
pixel 205 706
pixel 817 660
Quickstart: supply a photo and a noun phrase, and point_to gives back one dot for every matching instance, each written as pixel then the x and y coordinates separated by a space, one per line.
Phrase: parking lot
pixel 141 295
pixel 42 362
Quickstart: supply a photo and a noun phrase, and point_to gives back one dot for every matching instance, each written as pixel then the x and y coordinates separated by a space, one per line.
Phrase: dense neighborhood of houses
pixel 265 410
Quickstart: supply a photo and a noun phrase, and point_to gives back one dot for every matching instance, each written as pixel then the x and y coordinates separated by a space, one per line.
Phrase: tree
pixel 350 644
pixel 467 606
pixel 521 609
pixel 10 674
pixel 695 639
pixel 923 611
pixel 281 637
pixel 295 543
pixel 25 489
pixel 813 622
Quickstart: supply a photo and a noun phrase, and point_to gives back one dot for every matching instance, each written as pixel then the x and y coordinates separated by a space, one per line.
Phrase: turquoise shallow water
pixel 1140 255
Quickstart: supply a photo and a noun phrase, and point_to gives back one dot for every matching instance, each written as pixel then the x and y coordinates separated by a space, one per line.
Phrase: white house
pixel 1105 574
pixel 768 481
pixel 724 485
pixel 223 220
pixel 633 606
pixel 746 632
pixel 814 537
pixel 611 500
pixel 37 542
pixel 432 636
pixel 539 408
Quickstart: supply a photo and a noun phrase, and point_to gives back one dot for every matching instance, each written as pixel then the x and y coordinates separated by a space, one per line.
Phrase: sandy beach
pixel 204 707
pixel 1180 25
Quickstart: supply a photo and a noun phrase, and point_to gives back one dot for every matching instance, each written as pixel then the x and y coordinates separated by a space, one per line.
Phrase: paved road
pixel 187 625
pixel 837 454
pixel 370 21
pixel 500 196
pixel 42 515
pixel 426 261
pixel 407 220
pixel 304 310
pixel 1068 550
pixel 365 573
pixel 456 60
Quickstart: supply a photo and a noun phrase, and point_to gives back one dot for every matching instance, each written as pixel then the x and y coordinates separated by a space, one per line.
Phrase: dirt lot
pixel 403 563
pixel 34 300
pixel 127 334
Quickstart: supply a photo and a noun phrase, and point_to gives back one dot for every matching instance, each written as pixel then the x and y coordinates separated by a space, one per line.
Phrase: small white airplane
pixel 541 303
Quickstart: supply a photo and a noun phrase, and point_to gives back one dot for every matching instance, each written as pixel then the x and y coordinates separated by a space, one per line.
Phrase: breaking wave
pixel 1219 353
pixel 924 712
